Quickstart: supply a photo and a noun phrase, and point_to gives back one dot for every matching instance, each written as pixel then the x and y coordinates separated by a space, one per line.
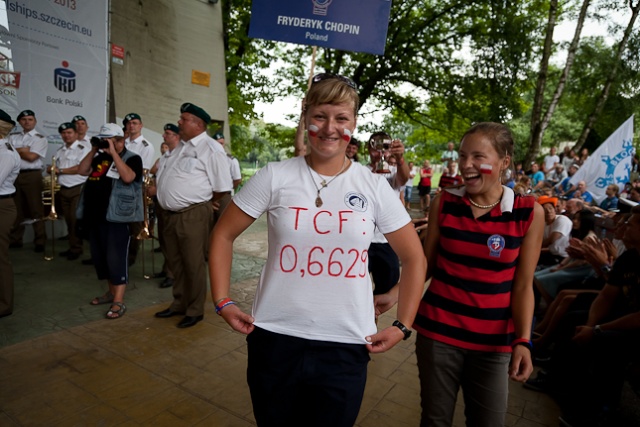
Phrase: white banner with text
pixel 54 61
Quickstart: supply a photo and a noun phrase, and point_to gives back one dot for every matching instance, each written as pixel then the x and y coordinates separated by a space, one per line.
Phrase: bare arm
pixel 397 151
pixel 430 246
pixel 84 168
pixel 602 304
pixel 127 175
pixel 551 238
pixel 26 154
pixel 522 299
pixel 406 245
pixel 154 168
pixel 230 225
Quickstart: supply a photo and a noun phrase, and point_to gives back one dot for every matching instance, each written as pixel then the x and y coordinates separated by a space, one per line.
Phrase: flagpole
pixel 313 66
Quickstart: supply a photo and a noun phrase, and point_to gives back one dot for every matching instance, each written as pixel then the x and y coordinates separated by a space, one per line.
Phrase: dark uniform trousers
pixel 7 217
pixel 28 201
pixel 161 216
pixel 186 234
pixel 69 197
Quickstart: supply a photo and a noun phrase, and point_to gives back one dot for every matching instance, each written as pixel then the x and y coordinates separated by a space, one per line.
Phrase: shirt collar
pixel 197 139
pixel 138 139
pixel 73 145
pixel 506 203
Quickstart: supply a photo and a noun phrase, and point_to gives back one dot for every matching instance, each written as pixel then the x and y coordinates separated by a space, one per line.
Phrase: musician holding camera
pixel 111 200
pixel 68 159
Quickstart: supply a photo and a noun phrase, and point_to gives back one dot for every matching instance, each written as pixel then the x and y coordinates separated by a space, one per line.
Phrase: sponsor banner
pixel 53 60
pixel 352 25
pixel 609 164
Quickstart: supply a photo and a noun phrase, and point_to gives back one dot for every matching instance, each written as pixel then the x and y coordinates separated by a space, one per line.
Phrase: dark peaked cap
pixel 173 128
pixel 188 107
pixel 6 117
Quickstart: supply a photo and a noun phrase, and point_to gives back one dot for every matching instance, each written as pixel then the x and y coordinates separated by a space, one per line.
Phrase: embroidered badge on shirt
pixel 356 201
pixel 496 245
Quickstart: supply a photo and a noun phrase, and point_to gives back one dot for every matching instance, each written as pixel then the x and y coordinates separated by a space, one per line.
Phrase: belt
pixel 30 170
pixel 188 208
pixel 7 196
pixel 69 188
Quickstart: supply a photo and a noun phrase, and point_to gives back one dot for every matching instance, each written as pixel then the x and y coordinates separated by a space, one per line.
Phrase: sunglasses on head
pixel 327 76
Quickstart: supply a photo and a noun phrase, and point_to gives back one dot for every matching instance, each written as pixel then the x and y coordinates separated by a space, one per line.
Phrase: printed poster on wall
pixel 351 25
pixel 53 60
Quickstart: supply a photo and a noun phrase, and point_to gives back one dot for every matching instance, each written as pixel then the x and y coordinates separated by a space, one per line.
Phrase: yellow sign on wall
pixel 200 78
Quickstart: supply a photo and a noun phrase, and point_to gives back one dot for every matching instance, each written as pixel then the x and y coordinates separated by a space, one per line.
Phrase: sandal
pixel 104 299
pixel 116 314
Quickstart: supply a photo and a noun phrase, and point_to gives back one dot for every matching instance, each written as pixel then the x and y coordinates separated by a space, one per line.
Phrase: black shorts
pixel 424 190
pixel 109 251
pixel 384 267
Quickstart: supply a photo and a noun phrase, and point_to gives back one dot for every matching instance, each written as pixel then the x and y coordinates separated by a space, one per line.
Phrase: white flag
pixel 609 164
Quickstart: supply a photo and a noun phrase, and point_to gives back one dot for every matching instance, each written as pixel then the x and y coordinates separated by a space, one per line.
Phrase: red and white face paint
pixel 313 130
pixel 346 135
pixel 486 169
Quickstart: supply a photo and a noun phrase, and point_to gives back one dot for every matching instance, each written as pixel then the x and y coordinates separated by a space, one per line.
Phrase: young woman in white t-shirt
pixel 312 324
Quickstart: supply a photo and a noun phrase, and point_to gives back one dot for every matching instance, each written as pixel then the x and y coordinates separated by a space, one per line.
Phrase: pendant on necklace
pixel 318 201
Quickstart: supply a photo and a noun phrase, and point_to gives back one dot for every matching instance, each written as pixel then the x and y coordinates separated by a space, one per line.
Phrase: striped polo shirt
pixel 468 303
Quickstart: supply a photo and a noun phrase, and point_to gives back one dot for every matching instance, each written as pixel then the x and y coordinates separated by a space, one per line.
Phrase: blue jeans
pixel 407 193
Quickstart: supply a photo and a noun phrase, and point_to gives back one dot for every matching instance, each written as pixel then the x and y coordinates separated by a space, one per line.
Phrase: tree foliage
pixel 447 64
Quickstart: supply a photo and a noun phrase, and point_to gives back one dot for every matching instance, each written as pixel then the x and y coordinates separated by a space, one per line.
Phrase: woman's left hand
pixel 521 366
pixel 384 340
pixel 384 302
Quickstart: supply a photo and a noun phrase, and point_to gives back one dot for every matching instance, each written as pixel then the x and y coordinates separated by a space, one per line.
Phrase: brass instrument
pixel 147 230
pixel 51 186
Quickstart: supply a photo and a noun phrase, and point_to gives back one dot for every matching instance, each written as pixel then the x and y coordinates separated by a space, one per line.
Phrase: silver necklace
pixel 324 184
pixel 477 205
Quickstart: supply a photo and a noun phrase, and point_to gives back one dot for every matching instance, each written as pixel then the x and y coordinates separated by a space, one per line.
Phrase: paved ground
pixel 62 363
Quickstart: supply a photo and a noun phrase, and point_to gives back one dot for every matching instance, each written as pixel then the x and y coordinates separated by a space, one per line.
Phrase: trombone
pixel 49 199
pixel 147 229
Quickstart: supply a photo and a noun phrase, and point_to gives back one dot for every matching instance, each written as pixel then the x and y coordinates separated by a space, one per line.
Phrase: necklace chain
pixel 324 184
pixel 477 205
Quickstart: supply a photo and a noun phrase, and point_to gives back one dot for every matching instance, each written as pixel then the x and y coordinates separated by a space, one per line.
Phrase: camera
pixel 99 142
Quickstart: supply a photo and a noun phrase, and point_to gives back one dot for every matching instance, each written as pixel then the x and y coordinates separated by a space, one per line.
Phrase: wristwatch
pixel 597 330
pixel 606 269
pixel 405 331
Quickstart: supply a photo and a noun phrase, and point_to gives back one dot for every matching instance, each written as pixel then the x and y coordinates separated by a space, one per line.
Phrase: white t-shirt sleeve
pixel 235 169
pixel 221 179
pixel 562 225
pixel 254 197
pixel 390 214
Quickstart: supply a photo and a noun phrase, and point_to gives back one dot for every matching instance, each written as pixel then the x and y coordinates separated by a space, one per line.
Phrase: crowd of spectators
pixel 587 287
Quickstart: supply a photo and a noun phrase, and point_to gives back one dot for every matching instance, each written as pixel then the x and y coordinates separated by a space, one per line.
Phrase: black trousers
pixel 299 382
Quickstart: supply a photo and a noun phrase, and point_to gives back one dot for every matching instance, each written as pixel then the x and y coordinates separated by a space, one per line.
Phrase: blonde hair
pixel 332 91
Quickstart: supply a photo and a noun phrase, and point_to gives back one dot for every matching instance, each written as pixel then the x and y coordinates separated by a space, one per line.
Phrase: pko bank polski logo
pixel 64 79
pixel 320 7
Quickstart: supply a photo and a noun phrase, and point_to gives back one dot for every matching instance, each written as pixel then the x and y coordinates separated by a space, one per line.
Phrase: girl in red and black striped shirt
pixel 474 321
